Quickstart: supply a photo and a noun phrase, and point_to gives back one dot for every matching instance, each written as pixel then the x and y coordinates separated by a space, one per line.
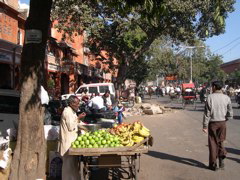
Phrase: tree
pixel 144 21
pixel 214 71
pixel 30 153
pixel 181 21
pixel 138 70
pixel 166 59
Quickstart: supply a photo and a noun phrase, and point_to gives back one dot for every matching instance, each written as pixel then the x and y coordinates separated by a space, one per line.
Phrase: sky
pixel 227 44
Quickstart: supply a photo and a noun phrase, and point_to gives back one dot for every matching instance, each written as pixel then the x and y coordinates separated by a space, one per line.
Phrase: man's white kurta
pixel 68 129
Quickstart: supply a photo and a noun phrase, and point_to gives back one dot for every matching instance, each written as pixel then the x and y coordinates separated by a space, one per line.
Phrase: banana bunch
pixel 135 127
pixel 128 141
pixel 137 139
pixel 145 132
pixel 131 133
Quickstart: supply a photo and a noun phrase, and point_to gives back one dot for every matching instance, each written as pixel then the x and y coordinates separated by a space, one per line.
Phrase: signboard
pixel 33 36
pixel 53 67
pixel 171 78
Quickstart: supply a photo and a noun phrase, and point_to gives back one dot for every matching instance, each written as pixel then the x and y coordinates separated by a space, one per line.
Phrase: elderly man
pixel 218 110
pixel 68 134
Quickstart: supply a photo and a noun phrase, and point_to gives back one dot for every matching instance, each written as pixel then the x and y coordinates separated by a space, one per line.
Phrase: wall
pixel 231 66
pixel 8 23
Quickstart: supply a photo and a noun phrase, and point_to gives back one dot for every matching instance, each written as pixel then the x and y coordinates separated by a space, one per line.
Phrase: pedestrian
pixel 159 91
pixel 109 100
pixel 218 110
pixel 69 125
pixel 150 91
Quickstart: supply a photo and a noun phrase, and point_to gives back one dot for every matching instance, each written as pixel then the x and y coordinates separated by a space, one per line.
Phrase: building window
pixel 19 37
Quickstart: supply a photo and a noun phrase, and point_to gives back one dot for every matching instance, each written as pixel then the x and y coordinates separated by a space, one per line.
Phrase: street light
pixel 192 47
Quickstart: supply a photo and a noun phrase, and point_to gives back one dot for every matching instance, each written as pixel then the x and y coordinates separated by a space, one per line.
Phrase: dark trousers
pixel 216 136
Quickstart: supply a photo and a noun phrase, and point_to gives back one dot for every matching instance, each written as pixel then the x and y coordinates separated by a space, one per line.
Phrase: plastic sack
pixel 44 96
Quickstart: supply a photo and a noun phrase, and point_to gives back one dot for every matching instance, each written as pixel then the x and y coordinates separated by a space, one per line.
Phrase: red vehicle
pixel 188 94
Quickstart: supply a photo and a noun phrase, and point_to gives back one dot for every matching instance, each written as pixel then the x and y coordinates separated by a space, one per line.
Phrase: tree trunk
pixel 121 76
pixel 30 154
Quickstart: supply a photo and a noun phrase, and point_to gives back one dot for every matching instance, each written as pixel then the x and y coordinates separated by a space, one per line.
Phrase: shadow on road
pixel 234 159
pixel 235 107
pixel 236 117
pixel 178 159
pixel 200 110
pixel 233 151
pixel 110 173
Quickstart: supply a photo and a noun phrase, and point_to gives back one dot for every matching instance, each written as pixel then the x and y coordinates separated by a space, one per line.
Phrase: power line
pixel 231 48
pixel 227 44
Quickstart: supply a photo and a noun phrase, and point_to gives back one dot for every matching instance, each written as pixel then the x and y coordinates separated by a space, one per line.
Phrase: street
pixel 180 148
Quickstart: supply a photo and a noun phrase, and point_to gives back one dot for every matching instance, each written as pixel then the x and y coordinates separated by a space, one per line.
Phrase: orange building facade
pixel 11 41
pixel 68 63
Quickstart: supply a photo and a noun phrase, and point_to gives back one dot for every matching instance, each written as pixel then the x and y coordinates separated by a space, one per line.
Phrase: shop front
pixel 9 64
pixel 53 82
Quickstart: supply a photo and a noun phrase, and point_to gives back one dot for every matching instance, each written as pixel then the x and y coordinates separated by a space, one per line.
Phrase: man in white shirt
pixel 68 134
pixel 109 100
pixel 96 102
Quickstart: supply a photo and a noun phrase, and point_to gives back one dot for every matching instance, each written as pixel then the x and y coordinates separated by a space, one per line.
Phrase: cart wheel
pixel 134 169
pixel 81 165
pixel 85 172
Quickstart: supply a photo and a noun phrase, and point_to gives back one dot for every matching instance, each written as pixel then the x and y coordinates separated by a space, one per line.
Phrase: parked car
pixel 92 89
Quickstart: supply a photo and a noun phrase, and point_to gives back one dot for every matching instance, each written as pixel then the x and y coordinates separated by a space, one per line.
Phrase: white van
pixel 92 89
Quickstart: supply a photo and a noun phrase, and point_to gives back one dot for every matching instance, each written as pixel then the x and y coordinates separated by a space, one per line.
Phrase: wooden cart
pixel 127 158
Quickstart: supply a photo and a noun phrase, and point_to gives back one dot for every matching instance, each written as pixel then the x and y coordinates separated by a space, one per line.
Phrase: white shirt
pixel 178 89
pixel 96 102
pixel 109 102
pixel 167 89
pixel 171 89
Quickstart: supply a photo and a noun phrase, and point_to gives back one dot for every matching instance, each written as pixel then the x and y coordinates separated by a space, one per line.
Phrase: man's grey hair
pixel 72 99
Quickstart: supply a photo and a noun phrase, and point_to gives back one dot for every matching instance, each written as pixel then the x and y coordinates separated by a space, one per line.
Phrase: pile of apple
pixel 97 139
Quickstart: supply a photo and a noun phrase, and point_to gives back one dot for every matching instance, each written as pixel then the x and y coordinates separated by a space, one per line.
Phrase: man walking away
pixel 218 110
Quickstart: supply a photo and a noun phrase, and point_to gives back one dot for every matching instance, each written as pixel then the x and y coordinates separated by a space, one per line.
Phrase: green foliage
pixel 235 76
pixel 125 29
pixel 138 70
pixel 50 84
pixel 165 60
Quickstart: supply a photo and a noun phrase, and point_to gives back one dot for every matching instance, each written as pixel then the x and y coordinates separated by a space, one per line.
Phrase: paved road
pixel 180 148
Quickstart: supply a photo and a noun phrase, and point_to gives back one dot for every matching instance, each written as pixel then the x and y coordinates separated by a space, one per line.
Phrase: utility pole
pixel 192 47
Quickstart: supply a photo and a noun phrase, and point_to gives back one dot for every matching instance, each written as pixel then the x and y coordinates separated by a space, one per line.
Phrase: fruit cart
pixel 125 158
pixel 188 95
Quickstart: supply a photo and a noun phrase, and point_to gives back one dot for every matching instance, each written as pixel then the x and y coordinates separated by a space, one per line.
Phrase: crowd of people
pixel 175 90
pixel 169 89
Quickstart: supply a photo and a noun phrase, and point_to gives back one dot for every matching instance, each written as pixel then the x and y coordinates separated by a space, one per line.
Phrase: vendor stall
pixel 119 147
